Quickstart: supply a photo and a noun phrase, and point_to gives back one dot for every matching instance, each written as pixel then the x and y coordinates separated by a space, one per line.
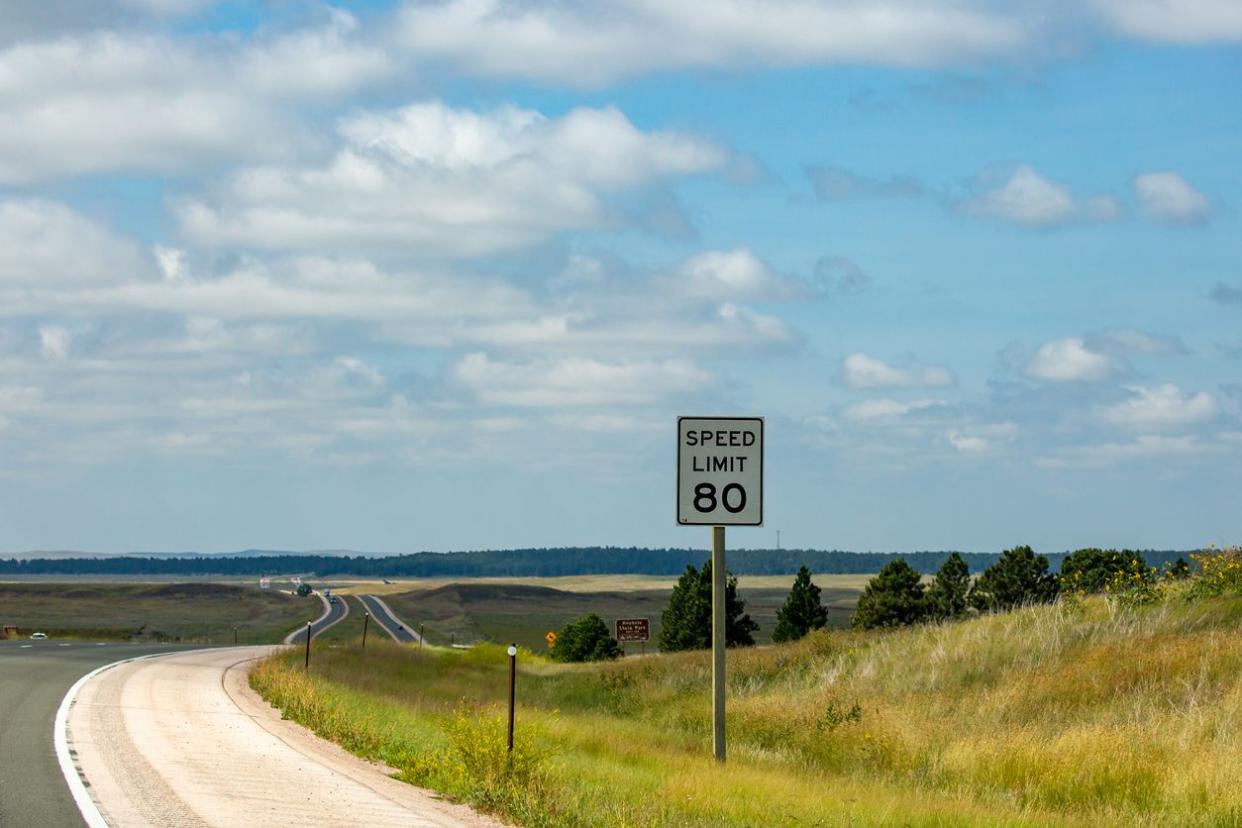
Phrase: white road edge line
pixel 378 620
pixel 327 609
pixel 60 742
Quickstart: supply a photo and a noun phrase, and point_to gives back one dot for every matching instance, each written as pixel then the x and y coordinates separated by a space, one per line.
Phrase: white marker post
pixel 719 484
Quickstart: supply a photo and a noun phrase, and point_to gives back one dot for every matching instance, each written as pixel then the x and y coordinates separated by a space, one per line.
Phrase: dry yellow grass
pixel 1083 714
pixel 592 583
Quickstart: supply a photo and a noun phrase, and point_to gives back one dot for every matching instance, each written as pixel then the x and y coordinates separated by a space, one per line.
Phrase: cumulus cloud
pixel 591 43
pixel 1101 455
pixel 1124 342
pixel 1069 360
pixel 1027 198
pixel 862 371
pixel 981 439
pixel 103 101
pixel 886 411
pixel 576 381
pixel 1161 406
pixel 435 180
pixel 1169 197
pixel 1175 21
pixel 44 243
pixel 725 274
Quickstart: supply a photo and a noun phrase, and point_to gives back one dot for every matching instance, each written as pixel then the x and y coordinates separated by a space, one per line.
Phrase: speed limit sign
pixel 720 471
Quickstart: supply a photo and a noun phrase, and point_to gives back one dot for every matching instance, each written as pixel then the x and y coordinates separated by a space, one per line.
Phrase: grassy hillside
pixel 505 612
pixel 199 612
pixel 1080 714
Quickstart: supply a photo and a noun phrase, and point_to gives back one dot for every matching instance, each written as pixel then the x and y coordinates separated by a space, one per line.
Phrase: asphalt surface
pixel 401 632
pixel 335 613
pixel 34 677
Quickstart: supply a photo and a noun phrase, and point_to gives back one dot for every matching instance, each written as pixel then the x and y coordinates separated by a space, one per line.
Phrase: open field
pixel 198 611
pixel 521 611
pixel 1055 715
pixel 593 583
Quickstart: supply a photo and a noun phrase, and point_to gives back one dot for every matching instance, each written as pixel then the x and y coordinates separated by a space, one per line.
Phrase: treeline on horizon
pixel 516 563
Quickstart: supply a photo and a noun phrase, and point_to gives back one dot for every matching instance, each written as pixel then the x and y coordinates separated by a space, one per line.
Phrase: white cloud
pixel 1069 360
pixel 1169 197
pixel 577 380
pixel 1175 21
pixel 55 342
pixel 1147 446
pixel 1161 406
pixel 717 274
pixel 1025 197
pixel 880 411
pixel 107 101
pixel 434 180
pixel 862 371
pixel 981 439
pixel 44 244
pixel 591 43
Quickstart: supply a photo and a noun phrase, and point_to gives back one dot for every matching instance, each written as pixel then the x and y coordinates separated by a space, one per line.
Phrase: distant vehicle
pixel 39 636
pixel 332 599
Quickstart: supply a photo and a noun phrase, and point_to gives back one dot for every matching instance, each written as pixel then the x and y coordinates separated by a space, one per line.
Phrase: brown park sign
pixel 633 629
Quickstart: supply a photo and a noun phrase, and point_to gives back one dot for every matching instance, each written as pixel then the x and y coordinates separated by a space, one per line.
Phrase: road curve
pixel 400 631
pixel 182 740
pixel 332 613
pixel 34 676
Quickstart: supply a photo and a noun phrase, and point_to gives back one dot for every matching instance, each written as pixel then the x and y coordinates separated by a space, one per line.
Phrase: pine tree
pixel 894 598
pixel 947 597
pixel 802 612
pixel 1020 577
pixel 686 623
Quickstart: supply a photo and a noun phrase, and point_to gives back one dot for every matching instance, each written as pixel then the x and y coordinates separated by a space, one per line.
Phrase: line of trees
pixel 897 596
pixel 544 562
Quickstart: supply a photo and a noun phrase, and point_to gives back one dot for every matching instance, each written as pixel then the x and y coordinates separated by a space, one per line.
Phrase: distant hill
pixel 504 563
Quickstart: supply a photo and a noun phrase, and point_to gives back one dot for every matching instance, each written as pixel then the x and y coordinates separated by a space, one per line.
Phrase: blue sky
pixel 405 275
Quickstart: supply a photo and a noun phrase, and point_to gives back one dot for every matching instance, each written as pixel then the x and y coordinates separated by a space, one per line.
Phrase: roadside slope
pixel 182 740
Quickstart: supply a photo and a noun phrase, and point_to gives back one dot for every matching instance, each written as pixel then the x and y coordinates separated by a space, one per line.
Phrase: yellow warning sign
pixel 551 638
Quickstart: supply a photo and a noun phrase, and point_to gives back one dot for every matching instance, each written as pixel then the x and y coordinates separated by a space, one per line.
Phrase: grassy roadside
pixel 1057 715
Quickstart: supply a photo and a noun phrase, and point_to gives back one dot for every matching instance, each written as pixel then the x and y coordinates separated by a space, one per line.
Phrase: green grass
pixel 504 612
pixel 1089 715
pixel 197 612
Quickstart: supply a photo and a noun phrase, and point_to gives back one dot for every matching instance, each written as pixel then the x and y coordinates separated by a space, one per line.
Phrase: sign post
pixel 719 484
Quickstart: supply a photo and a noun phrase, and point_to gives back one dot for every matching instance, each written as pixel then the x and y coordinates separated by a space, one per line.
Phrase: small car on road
pixel 38 636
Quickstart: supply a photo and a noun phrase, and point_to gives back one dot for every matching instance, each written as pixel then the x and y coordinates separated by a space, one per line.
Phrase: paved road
pixel 332 614
pixel 400 631
pixel 183 741
pixel 34 677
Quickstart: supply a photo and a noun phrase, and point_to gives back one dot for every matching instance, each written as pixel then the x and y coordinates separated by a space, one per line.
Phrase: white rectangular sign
pixel 720 471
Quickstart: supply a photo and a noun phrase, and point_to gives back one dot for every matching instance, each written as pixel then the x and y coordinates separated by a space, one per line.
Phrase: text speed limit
pixel 720 471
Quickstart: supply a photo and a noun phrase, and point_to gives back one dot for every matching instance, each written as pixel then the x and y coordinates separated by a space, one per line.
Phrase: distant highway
pixel 400 631
pixel 34 677
pixel 332 613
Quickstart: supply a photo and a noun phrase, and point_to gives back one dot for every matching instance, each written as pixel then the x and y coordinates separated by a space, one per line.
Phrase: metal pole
pixel 512 686
pixel 308 637
pixel 718 642
pixel 420 636
pixel 366 622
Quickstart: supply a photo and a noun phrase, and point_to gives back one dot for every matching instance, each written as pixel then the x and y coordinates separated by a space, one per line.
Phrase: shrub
pixel 1091 570
pixel 1220 573
pixel 1020 577
pixel 946 599
pixel 802 611
pixel 586 639
pixel 894 598
pixel 1136 585
pixel 686 623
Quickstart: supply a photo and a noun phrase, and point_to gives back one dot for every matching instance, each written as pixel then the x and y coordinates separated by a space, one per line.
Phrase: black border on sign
pixel 677 499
